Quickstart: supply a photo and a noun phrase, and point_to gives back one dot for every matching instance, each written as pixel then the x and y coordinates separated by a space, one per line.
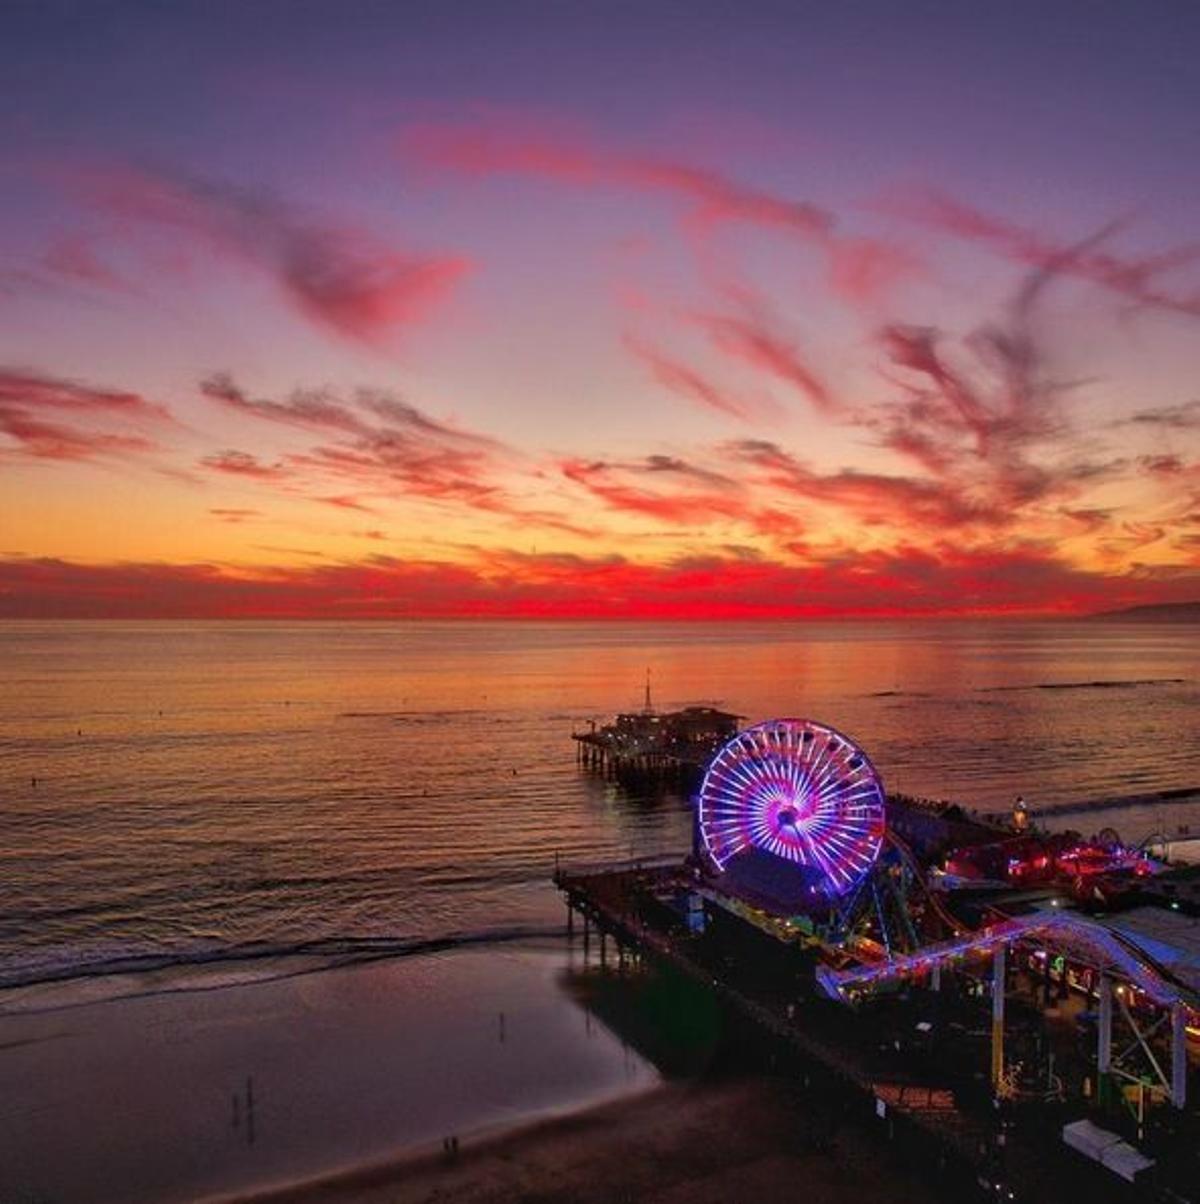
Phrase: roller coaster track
pixel 939 908
pixel 1113 951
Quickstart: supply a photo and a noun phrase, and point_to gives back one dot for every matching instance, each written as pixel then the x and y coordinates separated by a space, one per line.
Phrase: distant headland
pixel 1162 612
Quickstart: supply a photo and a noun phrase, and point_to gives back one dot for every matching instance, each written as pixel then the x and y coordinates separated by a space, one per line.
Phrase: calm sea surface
pixel 228 793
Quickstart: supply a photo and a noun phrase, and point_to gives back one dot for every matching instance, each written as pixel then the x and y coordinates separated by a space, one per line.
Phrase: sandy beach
pixel 340 1086
pixel 746 1140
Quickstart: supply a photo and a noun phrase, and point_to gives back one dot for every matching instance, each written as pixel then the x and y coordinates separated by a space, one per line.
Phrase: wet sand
pixel 748 1140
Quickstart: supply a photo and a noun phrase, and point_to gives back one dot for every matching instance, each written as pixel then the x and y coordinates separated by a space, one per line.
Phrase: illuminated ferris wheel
pixel 793 791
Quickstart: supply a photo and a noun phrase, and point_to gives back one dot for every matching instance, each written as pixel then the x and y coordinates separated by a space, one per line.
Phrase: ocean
pixel 209 802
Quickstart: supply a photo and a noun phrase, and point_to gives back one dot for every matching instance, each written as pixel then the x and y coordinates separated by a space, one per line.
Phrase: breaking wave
pixel 49 986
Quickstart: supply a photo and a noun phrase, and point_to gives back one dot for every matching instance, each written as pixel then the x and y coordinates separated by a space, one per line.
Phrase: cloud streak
pixel 1135 279
pixel 751 341
pixel 342 278
pixel 690 384
pixel 693 497
pixel 875 499
pixel 48 417
pixel 1182 417
pixel 859 269
pixel 374 446
pixel 711 196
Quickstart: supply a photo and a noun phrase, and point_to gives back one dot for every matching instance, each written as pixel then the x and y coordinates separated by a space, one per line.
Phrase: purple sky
pixel 458 306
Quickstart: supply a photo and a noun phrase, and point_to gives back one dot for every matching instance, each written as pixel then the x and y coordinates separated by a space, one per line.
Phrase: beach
pixel 344 1083
pixel 683 1143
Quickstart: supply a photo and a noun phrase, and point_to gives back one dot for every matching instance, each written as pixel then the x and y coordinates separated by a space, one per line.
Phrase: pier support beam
pixel 999 977
pixel 1179 1066
pixel 1104 1053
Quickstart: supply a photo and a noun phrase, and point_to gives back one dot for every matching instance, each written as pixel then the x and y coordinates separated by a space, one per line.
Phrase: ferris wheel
pixel 797 792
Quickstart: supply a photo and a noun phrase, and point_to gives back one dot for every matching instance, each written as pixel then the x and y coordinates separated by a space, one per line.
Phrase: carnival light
pixel 1112 951
pixel 800 791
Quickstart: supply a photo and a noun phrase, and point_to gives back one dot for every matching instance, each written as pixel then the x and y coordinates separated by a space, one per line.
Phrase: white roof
pixel 1088 1138
pixel 1168 936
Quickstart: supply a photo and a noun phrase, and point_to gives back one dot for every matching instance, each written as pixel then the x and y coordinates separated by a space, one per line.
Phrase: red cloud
pixel 386 446
pixel 1132 278
pixel 1162 466
pixel 719 498
pixel 510 585
pixel 603 481
pixel 228 514
pixel 54 441
pixel 74 257
pixel 914 348
pixel 307 409
pixel 753 342
pixel 39 391
pixel 973 416
pixel 27 398
pixel 859 268
pixel 344 502
pixel 325 410
pixel 341 278
pixel 690 384
pixel 1184 417
pixel 378 446
pixel 873 498
pixel 864 269
pixel 711 195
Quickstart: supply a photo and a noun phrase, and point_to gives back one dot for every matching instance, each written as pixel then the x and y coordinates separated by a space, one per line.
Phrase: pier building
pixel 656 745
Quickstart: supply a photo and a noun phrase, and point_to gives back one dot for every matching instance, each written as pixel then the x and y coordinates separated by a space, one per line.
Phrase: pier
pixel 626 915
pixel 977 1012
pixel 619 908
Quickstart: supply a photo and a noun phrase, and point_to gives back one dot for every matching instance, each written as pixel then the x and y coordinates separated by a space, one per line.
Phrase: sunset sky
pixel 357 309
